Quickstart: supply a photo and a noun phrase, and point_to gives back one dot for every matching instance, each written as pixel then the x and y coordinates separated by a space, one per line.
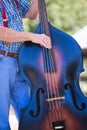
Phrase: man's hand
pixel 42 39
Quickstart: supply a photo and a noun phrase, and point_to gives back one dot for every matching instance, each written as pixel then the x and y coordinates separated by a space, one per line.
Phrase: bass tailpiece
pixel 58 125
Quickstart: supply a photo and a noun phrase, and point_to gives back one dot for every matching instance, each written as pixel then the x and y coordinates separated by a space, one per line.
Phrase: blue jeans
pixel 13 90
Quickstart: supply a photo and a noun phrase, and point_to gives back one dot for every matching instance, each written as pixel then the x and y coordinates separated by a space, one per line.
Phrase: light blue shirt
pixel 14 16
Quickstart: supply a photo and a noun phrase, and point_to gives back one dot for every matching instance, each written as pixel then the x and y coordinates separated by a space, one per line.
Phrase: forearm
pixel 10 35
pixel 33 10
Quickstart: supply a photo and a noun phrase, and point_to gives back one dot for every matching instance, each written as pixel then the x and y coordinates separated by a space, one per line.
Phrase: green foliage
pixel 67 15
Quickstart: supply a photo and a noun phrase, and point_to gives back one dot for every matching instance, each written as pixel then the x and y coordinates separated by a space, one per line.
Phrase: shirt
pixel 14 16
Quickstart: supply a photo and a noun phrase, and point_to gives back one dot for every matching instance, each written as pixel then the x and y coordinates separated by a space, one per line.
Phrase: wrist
pixel 30 36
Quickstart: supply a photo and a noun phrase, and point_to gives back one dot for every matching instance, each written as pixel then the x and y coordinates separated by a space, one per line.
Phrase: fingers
pixel 42 39
pixel 45 41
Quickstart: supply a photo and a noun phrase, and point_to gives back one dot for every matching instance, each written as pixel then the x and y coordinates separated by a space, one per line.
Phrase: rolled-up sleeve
pixel 24 7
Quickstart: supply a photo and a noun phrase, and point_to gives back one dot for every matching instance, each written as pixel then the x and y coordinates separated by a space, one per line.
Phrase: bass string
pixel 45 55
pixel 52 85
pixel 57 102
pixel 45 60
pixel 51 62
pixel 43 18
pixel 55 86
pixel 51 82
pixel 51 104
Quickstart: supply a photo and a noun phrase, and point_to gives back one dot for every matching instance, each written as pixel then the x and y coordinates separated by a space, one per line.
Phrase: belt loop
pixel 6 51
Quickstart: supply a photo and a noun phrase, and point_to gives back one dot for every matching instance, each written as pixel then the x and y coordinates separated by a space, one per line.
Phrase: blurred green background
pixel 69 16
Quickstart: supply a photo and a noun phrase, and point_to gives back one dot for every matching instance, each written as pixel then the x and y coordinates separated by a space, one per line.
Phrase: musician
pixel 13 89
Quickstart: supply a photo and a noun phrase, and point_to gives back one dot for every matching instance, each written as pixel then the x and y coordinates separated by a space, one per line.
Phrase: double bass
pixel 57 102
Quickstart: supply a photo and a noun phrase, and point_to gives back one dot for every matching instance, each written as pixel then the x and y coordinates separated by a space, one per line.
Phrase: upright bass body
pixel 57 102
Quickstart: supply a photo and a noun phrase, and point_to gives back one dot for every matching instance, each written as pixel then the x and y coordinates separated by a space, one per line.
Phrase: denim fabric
pixel 13 89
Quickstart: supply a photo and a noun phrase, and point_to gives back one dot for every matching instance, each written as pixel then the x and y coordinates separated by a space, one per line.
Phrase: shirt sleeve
pixel 24 7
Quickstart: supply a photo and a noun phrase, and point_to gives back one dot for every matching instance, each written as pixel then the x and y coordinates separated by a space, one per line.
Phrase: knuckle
pixel 43 34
